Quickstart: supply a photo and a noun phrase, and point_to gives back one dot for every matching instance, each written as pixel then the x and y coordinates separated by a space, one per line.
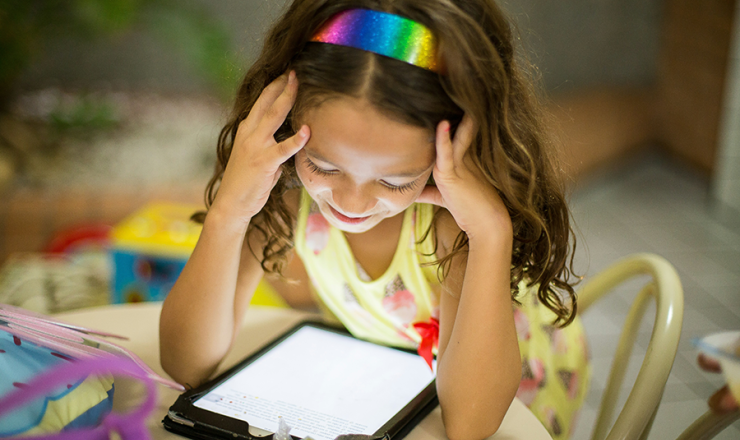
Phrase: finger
pixel 287 148
pixel 276 178
pixel 709 364
pixel 463 138
pixel 444 162
pixel 722 401
pixel 264 102
pixel 274 117
pixel 430 194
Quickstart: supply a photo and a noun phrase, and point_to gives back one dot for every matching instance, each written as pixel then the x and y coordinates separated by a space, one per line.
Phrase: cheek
pixel 398 202
pixel 303 174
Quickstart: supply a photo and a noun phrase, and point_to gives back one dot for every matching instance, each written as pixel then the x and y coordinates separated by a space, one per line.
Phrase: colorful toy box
pixel 150 248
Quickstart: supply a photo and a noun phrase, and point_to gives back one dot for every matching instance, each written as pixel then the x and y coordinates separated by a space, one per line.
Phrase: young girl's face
pixel 360 166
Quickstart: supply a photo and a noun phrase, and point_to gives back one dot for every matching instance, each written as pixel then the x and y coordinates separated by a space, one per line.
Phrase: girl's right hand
pixel 253 168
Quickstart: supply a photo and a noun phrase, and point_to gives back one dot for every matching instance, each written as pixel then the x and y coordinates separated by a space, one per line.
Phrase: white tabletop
pixel 140 323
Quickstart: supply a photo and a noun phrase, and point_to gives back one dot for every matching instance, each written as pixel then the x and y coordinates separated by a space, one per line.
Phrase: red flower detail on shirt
pixel 429 332
pixel 533 378
pixel 317 232
pixel 401 305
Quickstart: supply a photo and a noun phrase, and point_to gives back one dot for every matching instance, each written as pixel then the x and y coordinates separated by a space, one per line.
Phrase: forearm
pixel 199 316
pixel 479 363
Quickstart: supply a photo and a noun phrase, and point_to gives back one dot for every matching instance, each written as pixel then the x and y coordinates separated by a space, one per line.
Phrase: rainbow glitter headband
pixel 382 33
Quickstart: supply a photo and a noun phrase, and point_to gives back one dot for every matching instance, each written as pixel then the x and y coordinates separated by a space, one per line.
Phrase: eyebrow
pixel 411 173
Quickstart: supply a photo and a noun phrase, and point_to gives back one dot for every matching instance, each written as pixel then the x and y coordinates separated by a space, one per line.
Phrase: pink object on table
pixel 70 340
pixel 130 426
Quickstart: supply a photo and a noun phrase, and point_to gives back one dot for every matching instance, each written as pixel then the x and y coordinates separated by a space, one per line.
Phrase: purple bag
pixel 87 354
pixel 130 426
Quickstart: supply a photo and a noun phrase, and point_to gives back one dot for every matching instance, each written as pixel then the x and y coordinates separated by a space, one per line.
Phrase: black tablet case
pixel 189 421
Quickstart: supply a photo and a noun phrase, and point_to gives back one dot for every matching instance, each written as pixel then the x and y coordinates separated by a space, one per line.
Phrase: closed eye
pixel 315 169
pixel 401 188
pixel 394 188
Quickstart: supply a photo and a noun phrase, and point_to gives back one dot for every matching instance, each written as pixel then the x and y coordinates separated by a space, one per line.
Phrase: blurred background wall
pixel 137 57
pixel 654 69
pixel 623 76
pixel 576 44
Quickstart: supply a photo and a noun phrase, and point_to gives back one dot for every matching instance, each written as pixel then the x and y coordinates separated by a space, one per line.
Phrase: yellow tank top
pixel 381 310
pixel 555 362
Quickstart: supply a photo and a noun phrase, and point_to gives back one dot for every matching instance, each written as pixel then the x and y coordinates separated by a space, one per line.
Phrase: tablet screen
pixel 323 384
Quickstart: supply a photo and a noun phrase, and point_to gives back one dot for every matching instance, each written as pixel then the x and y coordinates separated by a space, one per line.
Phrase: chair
pixel 708 425
pixel 636 417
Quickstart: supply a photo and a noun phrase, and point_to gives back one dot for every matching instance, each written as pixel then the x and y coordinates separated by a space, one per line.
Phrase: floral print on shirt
pixel 399 303
pixel 317 232
pixel 555 366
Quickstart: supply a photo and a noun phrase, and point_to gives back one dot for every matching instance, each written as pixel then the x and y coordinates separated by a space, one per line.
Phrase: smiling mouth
pixel 344 219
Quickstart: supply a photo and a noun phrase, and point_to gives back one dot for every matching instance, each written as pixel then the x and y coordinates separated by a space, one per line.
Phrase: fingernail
pixel 291 77
pixel 302 132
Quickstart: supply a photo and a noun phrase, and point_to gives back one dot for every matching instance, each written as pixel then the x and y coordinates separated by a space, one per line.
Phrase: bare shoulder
pixel 447 231
pixel 293 286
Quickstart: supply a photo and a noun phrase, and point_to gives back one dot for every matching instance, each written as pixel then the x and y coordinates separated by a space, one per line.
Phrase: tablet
pixel 321 381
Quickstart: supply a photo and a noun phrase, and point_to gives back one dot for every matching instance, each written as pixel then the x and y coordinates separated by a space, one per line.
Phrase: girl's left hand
pixel 462 189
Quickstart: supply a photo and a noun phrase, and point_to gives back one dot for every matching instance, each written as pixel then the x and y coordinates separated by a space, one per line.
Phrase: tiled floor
pixel 654 205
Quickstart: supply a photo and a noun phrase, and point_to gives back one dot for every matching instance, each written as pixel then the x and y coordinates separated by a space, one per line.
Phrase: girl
pixel 387 158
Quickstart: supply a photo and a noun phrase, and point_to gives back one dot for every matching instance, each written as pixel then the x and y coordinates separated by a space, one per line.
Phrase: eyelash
pixel 315 169
pixel 394 188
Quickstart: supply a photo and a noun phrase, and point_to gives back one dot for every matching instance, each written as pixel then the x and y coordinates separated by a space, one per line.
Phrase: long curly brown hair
pixel 482 78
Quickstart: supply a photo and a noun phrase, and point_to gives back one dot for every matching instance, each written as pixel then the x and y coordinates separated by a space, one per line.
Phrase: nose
pixel 353 200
